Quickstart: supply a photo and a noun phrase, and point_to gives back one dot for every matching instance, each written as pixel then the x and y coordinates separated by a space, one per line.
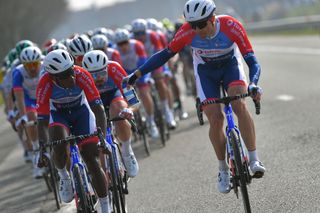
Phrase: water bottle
pixel 130 95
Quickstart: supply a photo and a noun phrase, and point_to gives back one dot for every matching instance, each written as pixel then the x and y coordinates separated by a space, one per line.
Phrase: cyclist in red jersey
pixel 68 99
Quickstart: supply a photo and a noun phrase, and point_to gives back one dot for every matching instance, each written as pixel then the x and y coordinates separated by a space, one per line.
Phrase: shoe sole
pixel 258 175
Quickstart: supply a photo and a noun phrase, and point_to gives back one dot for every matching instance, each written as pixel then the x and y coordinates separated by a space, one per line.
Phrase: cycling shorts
pixel 77 120
pixel 209 76
pixel 31 104
pixel 111 96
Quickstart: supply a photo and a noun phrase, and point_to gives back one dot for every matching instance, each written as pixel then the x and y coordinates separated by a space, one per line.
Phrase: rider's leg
pixel 123 132
pixel 90 155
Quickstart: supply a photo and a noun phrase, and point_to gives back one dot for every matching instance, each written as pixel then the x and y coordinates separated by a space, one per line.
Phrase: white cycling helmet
pixel 30 54
pixel 95 60
pixel 198 10
pixel 57 46
pixel 152 24
pixel 99 41
pixel 139 25
pixel 121 35
pixel 58 61
pixel 100 31
pixel 79 45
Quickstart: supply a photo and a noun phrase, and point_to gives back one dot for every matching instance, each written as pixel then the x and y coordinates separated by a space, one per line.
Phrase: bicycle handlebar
pixel 131 121
pixel 228 99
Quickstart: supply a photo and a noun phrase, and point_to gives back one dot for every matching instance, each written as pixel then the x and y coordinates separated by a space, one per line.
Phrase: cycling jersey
pixel 135 57
pixel 113 55
pixel 23 81
pixel 69 108
pixel 220 52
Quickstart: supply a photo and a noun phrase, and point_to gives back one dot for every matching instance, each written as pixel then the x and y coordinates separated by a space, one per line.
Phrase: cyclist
pixel 108 77
pixel 25 80
pixel 78 46
pixel 67 94
pixel 100 42
pixel 217 42
pixel 133 55
pixel 152 44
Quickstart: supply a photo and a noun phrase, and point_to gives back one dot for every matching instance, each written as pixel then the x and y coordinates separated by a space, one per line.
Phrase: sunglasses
pixel 99 74
pixel 65 74
pixel 199 24
pixel 32 65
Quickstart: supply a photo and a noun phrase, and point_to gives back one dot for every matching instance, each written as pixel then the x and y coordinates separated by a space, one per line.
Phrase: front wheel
pixel 82 203
pixel 240 171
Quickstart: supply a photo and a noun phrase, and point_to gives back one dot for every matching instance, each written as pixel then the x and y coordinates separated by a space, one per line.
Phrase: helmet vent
pixel 204 10
pixel 104 61
pixel 64 55
pixel 188 8
pixel 196 7
pixel 98 57
pixel 56 60
pixel 89 58
pixel 76 45
pixel 84 63
pixel 52 67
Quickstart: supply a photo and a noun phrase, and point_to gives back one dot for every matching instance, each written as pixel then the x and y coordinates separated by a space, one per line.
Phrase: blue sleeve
pixel 254 67
pixel 17 79
pixel 156 60
pixel 141 61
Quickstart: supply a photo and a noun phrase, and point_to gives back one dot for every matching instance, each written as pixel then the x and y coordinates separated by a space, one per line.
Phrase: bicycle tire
pixel 114 184
pixel 54 184
pixel 159 121
pixel 121 183
pixel 47 179
pixel 142 133
pixel 235 141
pixel 82 203
pixel 145 142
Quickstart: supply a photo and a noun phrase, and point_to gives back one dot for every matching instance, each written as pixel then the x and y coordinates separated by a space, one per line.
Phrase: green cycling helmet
pixel 23 44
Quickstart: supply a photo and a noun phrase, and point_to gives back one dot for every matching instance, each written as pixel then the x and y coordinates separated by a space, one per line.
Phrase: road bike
pixel 236 150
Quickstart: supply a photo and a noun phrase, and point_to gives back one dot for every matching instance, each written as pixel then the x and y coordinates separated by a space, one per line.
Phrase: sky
pixel 76 5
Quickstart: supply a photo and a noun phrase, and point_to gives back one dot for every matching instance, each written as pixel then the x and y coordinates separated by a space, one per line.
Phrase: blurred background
pixel 38 20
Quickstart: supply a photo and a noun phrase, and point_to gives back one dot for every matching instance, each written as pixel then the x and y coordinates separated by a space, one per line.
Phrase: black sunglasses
pixel 65 74
pixel 199 24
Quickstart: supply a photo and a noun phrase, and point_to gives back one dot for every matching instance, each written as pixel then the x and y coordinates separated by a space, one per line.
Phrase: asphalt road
pixel 181 177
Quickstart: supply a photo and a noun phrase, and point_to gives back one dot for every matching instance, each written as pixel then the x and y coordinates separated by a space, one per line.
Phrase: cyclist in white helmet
pixel 153 44
pixel 100 42
pixel 78 46
pixel 25 81
pixel 68 96
pixel 108 77
pixel 218 42
pixel 134 55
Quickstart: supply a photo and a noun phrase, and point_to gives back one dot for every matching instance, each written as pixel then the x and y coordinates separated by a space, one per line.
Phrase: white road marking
pixel 284 49
pixel 285 97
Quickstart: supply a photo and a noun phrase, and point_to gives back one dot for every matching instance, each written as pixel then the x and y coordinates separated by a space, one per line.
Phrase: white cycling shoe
pixel 224 181
pixel 131 164
pixel 257 168
pixel 170 120
pixel 38 172
pixel 153 130
pixel 66 190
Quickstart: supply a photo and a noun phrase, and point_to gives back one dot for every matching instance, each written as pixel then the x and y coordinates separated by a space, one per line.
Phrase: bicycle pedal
pixel 258 175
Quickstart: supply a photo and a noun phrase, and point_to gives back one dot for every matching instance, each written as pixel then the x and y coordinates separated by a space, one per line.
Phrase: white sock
pixel 126 148
pixel 166 105
pixel 253 156
pixel 63 173
pixel 223 166
pixel 104 203
pixel 35 145
pixel 150 119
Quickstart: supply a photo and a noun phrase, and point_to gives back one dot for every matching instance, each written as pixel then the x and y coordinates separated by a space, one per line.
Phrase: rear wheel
pixel 54 183
pixel 114 185
pixel 240 170
pixel 160 121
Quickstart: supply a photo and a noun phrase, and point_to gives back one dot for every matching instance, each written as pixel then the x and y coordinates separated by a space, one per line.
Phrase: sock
pixel 126 148
pixel 223 166
pixel 104 203
pixel 35 145
pixel 63 173
pixel 253 156
pixel 150 119
pixel 166 105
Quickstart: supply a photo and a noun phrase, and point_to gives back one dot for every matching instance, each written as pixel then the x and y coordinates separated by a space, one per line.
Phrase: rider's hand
pixel 126 113
pixel 131 79
pixel 255 92
pixel 22 120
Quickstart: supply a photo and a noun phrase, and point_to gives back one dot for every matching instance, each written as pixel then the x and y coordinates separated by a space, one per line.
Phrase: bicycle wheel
pixel 142 132
pixel 122 181
pixel 159 121
pixel 47 179
pixel 54 184
pixel 82 203
pixel 234 137
pixel 114 184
